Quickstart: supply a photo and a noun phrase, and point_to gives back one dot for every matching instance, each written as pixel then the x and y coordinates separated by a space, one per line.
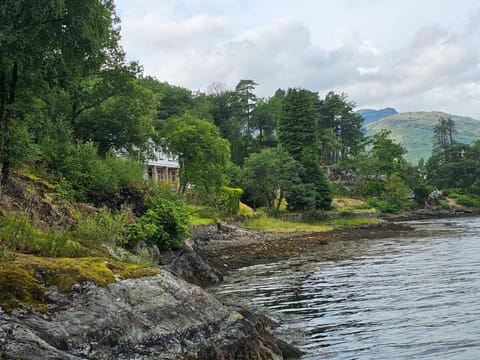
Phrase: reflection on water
pixel 397 298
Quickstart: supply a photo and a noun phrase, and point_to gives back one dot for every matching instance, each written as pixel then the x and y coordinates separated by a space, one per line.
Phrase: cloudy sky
pixel 414 55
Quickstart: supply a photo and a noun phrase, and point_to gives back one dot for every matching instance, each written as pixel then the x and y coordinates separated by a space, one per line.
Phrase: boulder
pixel 158 317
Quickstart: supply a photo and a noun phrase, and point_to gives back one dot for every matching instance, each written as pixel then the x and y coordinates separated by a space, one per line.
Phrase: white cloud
pixel 383 53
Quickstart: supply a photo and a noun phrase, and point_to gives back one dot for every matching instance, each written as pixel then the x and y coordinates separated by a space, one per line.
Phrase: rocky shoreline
pixel 157 317
pixel 234 247
pixel 170 315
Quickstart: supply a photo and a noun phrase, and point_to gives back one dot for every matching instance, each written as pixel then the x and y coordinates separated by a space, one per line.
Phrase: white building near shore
pixel 163 166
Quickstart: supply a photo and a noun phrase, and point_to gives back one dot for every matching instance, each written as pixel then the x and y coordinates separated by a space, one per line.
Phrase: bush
pixel 89 175
pixel 469 200
pixel 313 215
pixel 221 203
pixel 102 227
pixel 384 206
pixel 421 193
pixel 373 188
pixel 165 224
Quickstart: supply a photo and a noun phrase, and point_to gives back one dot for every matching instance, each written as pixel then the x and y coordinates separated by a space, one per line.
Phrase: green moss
pixel 18 286
pixel 25 279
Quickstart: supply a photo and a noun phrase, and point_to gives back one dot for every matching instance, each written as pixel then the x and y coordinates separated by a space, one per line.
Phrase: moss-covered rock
pixel 25 279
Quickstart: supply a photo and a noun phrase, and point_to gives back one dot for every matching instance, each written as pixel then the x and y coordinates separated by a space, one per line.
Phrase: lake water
pixel 415 297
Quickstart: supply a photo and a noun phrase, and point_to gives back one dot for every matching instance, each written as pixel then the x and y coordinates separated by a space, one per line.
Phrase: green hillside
pixel 414 130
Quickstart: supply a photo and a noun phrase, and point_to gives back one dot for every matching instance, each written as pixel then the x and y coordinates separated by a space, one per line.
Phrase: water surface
pixel 414 297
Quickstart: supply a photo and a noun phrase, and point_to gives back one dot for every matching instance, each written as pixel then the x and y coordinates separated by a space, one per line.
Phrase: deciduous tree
pixel 203 153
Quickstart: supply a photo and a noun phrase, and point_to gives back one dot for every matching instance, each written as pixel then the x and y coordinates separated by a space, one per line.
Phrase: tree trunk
pixel 280 199
pixel 5 126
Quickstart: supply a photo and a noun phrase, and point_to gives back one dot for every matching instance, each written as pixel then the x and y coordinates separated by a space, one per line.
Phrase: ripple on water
pixel 399 298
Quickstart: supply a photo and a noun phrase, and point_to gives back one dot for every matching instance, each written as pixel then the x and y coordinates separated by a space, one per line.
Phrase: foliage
pixel 173 101
pixel 71 41
pixel 396 191
pixel 221 204
pixel 17 234
pixel 339 128
pixel 165 224
pixel 203 154
pixel 413 130
pixel 102 227
pixel 121 122
pixel 228 201
pixel 421 193
pixel 383 205
pixel 443 136
pixel 373 188
pixel 269 176
pixel 469 200
pixel 458 167
pixel 88 174
pixel 299 137
pixel 393 197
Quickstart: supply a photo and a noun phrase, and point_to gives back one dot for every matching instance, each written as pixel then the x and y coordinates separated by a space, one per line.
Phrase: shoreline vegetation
pixel 57 255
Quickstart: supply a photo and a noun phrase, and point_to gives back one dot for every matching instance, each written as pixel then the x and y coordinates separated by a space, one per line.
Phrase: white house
pixel 162 166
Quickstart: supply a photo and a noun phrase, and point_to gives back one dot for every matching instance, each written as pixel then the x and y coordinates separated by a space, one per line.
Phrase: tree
pixel 459 167
pixel 225 117
pixel 121 122
pixel 443 136
pixel 246 101
pixel 269 175
pixel 387 155
pixel 266 116
pixel 54 41
pixel 173 101
pixel 203 154
pixel 298 135
pixel 339 127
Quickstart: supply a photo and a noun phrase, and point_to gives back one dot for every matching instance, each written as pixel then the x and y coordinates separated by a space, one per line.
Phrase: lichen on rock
pixel 157 317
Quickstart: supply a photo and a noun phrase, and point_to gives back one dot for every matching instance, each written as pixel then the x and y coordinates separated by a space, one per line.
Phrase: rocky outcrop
pixel 158 317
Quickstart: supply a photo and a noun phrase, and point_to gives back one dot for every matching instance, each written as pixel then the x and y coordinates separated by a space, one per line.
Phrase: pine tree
pixel 298 135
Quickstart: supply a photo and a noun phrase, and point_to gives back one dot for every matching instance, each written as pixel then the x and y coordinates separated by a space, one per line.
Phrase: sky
pixel 413 55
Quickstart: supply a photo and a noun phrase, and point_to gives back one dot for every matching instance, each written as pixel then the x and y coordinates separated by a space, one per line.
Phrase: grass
pixel 269 224
pixel 345 205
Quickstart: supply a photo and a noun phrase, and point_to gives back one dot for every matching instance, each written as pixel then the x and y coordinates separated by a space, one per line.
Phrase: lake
pixel 415 297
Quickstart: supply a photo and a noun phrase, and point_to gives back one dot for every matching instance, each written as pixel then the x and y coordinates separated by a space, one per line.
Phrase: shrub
pixel 469 200
pixel 421 193
pixel 313 215
pixel 373 188
pixel 101 227
pixel 89 175
pixel 221 203
pixel 384 206
pixel 165 224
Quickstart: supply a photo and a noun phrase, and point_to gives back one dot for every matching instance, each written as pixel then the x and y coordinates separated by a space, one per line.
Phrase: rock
pixel 159 317
pixel 191 267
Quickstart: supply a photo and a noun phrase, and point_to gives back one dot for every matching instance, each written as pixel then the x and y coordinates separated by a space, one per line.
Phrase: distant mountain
pixel 371 115
pixel 414 130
